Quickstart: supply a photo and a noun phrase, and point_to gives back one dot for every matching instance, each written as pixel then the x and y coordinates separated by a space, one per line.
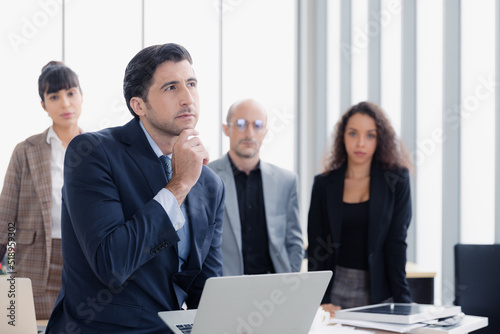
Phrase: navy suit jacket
pixel 390 215
pixel 120 259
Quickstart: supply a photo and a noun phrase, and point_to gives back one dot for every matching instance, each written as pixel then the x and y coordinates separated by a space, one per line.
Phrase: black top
pixel 254 238
pixel 354 239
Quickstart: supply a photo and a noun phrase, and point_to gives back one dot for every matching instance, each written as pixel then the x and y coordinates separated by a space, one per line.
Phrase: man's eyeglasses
pixel 242 124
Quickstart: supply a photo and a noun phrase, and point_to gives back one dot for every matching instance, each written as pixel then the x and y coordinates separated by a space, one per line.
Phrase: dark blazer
pixel 119 246
pixel 390 215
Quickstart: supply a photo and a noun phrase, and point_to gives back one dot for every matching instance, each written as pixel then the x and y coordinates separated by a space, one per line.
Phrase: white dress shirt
pixel 57 175
pixel 165 196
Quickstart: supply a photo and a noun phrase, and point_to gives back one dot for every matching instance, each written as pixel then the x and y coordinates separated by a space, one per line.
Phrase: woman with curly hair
pixel 360 211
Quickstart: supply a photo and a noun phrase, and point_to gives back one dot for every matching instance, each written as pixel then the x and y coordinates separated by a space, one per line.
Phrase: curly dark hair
pixel 389 153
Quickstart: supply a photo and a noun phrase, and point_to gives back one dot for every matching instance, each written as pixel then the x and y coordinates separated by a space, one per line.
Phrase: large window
pixel 98 51
pixel 259 55
pixel 30 37
pixel 359 51
pixel 235 56
pixel 428 159
pixel 390 30
pixel 478 121
pixel 195 25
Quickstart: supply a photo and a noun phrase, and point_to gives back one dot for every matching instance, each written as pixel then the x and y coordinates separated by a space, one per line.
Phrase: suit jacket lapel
pixel 38 157
pixel 268 185
pixel 39 160
pixel 269 188
pixel 231 205
pixel 142 153
pixel 377 196
pixel 144 156
pixel 334 200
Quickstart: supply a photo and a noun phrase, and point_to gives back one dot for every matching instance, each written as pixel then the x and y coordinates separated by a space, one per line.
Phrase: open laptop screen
pixel 274 303
pixel 16 303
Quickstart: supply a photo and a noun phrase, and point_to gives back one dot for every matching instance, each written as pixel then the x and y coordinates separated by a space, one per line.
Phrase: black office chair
pixel 477 283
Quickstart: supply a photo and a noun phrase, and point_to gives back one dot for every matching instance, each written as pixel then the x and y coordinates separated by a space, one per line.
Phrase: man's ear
pixel 225 128
pixel 138 106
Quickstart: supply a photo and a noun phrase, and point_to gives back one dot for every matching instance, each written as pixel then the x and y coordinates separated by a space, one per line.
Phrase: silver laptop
pixel 253 304
pixel 17 305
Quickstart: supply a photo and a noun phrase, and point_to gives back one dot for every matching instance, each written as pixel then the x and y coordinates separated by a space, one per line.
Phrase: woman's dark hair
pixel 140 70
pixel 389 152
pixel 56 76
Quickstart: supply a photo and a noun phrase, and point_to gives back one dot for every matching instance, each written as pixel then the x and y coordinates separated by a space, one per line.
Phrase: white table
pixel 467 325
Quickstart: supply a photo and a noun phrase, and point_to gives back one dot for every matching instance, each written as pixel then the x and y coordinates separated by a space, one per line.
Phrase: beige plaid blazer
pixel 26 201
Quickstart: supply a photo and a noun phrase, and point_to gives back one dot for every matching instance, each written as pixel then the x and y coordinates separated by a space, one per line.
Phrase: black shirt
pixel 254 238
pixel 354 239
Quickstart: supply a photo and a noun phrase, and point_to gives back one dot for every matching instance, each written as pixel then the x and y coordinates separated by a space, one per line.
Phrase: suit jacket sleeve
pixel 395 246
pixel 320 251
pixel 96 193
pixel 294 242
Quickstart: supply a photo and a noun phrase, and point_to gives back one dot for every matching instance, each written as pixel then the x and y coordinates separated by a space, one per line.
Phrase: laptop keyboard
pixel 186 328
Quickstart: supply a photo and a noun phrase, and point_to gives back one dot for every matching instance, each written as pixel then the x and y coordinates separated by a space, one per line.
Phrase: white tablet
pixel 399 313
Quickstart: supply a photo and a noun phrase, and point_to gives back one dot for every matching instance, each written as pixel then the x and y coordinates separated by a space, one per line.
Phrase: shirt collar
pixel 51 135
pixel 152 143
pixel 236 170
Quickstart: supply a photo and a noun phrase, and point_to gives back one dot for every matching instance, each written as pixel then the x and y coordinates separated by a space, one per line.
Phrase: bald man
pixel 261 228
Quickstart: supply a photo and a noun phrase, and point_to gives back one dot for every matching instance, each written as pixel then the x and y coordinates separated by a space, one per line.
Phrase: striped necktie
pixel 167 165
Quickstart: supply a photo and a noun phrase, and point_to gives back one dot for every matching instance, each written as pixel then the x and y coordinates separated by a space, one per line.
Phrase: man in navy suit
pixel 136 242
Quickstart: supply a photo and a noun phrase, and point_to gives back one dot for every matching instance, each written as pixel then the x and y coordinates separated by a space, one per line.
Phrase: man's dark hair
pixel 140 70
pixel 56 76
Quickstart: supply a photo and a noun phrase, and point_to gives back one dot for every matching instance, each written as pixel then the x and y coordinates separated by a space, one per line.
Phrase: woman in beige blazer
pixel 30 202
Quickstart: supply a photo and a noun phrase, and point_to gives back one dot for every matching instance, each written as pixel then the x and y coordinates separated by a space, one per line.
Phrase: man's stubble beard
pixel 240 153
pixel 169 128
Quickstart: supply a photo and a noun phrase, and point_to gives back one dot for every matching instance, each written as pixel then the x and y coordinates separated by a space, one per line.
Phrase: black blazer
pixel 390 215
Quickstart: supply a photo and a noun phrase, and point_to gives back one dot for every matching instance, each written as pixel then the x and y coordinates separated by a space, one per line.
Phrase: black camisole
pixel 354 239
